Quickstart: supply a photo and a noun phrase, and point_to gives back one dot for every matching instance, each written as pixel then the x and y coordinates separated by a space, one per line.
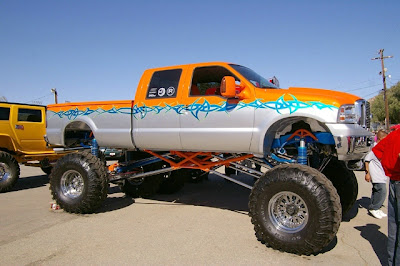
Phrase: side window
pixel 29 115
pixel 4 113
pixel 207 80
pixel 164 84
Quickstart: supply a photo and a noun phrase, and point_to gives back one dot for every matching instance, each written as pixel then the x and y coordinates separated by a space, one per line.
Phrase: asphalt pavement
pixel 203 224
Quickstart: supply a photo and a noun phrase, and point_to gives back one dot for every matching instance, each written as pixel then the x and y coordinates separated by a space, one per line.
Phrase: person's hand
pixel 367 177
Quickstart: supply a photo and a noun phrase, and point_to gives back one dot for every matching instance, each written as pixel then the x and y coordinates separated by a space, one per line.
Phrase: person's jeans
pixel 393 246
pixel 378 196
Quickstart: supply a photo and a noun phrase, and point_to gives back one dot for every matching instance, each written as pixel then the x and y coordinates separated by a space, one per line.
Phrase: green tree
pixel 378 106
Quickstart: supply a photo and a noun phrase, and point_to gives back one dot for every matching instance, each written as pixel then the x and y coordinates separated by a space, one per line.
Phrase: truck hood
pixel 329 97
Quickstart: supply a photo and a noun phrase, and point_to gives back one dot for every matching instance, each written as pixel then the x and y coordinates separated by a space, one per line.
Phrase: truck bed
pixel 109 121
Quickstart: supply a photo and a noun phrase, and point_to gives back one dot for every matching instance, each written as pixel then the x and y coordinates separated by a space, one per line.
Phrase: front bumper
pixel 352 148
pixel 352 141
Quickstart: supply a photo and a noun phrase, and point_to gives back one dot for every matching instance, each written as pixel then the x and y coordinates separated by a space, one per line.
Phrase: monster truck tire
pixel 344 181
pixel 194 175
pixel 295 208
pixel 78 183
pixel 229 171
pixel 9 171
pixel 100 155
pixel 173 182
pixel 141 187
pixel 47 170
pixel 144 187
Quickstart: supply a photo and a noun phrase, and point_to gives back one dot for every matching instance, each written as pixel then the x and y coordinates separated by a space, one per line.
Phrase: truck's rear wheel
pixel 141 187
pixel 295 208
pixel 146 186
pixel 194 175
pixel 9 171
pixel 344 181
pixel 79 183
pixel 46 166
pixel 229 171
pixel 173 182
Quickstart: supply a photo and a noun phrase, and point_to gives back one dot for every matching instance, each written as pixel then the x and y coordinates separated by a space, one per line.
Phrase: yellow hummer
pixel 22 128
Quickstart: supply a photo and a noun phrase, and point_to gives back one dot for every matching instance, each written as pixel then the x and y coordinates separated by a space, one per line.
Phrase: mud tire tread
pixel 322 201
pixel 9 160
pixel 345 183
pixel 94 174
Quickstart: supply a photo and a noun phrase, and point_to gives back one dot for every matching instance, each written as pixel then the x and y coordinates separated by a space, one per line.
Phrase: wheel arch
pixel 75 129
pixel 7 144
pixel 285 125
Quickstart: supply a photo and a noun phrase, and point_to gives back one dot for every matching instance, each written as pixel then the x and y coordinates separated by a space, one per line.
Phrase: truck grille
pixel 368 115
pixel 363 113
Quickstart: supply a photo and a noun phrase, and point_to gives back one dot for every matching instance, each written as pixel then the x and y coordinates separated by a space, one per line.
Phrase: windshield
pixel 253 77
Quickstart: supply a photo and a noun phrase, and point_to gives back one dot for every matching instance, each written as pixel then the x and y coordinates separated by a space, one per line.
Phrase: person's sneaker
pixel 375 213
pixel 382 213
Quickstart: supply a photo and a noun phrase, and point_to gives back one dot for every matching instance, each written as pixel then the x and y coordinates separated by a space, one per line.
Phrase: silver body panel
pixel 240 129
pixel 111 126
pixel 219 128
pixel 156 129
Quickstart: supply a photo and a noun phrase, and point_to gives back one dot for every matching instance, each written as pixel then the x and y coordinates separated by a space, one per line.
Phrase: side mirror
pixel 228 87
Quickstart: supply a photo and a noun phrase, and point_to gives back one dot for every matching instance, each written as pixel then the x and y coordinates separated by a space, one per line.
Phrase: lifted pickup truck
pixel 192 119
pixel 22 128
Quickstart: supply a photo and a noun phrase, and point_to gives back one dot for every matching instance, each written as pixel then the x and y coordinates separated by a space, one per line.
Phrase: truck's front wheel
pixel 344 181
pixel 79 183
pixel 9 171
pixel 295 208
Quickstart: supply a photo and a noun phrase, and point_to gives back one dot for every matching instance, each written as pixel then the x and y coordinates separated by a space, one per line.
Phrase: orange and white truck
pixel 300 144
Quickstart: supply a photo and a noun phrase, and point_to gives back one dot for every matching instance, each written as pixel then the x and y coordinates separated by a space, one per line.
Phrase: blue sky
pixel 97 50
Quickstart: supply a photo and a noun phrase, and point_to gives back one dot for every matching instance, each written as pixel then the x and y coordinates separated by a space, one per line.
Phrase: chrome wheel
pixel 72 184
pixel 288 212
pixel 5 172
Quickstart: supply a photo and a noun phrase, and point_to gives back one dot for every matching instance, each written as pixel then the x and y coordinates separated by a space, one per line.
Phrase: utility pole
pixel 382 58
pixel 54 90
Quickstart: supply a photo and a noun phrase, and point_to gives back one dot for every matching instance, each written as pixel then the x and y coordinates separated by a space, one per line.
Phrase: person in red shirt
pixel 388 152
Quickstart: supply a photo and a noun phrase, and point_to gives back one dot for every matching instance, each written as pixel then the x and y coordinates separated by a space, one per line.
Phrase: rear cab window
pixel 164 84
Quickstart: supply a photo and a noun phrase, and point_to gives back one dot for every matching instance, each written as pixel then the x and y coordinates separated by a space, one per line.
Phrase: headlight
pixel 347 114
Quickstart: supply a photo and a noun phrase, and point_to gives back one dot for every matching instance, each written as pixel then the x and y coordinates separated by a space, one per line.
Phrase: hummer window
pixel 207 80
pixel 4 113
pixel 164 84
pixel 29 115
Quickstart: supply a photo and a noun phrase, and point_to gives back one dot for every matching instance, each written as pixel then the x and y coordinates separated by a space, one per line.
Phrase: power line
pixel 375 92
pixel 354 84
pixel 39 98
pixel 362 88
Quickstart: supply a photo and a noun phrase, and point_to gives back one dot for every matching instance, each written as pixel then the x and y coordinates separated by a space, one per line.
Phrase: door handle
pixel 21 127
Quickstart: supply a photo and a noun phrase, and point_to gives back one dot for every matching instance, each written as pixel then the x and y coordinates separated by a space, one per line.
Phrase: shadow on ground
pixel 359 204
pixel 113 204
pixel 377 239
pixel 31 182
pixel 215 192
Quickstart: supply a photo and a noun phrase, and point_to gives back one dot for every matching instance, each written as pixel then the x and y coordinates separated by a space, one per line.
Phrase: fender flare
pixel 268 133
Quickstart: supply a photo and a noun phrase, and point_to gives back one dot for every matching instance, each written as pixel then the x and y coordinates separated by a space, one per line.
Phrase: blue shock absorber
pixel 94 148
pixel 302 152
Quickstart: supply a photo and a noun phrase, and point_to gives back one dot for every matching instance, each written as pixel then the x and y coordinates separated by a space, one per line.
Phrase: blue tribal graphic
pixel 196 109
pixel 72 114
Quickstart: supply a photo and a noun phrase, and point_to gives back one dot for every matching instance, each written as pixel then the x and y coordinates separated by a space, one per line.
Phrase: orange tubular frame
pixel 192 161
